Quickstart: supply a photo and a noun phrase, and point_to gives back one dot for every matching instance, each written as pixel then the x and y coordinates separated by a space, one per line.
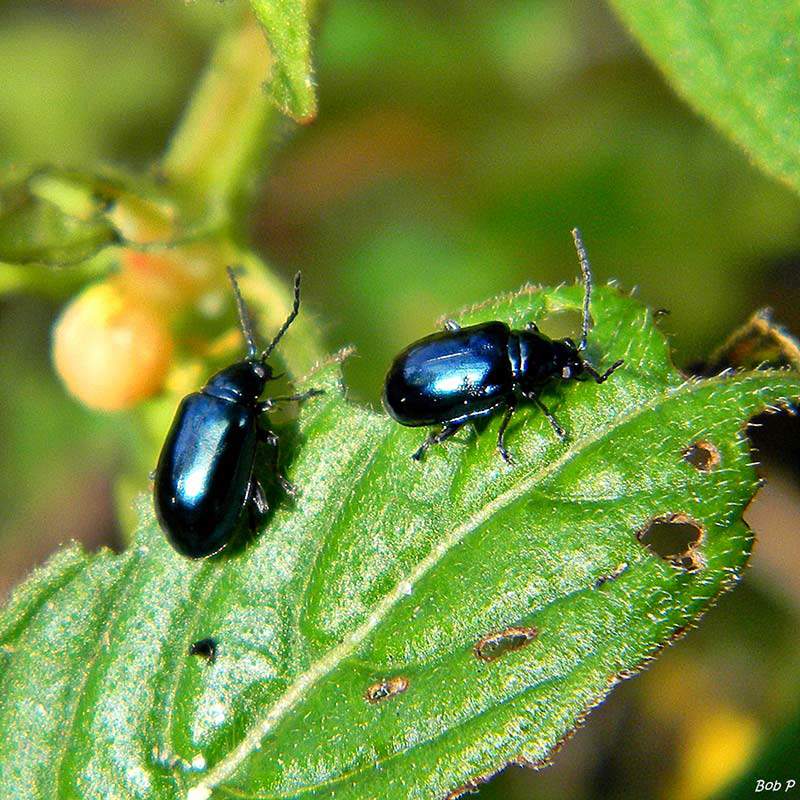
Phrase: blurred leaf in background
pixel 455 150
pixel 736 63
pixel 58 460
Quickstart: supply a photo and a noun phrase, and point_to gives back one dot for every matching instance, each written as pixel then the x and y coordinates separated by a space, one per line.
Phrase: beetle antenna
pixel 244 316
pixel 289 320
pixel 586 271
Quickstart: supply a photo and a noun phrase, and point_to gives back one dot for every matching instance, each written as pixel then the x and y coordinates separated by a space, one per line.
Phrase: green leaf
pixel 287 28
pixel 218 149
pixel 735 62
pixel 401 629
pixel 51 219
pixel 58 227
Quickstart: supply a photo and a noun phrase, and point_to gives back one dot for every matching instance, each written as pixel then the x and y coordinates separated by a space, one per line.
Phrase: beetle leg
pixel 257 503
pixel 501 433
pixel 270 438
pixel 267 437
pixel 286 485
pixel 560 432
pixel 448 429
pixel 451 326
pixel 290 398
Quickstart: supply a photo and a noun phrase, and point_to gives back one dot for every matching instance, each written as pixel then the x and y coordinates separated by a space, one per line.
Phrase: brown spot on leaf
pixel 525 761
pixel 674 537
pixel 383 690
pixel 611 576
pixel 690 561
pixel 702 455
pixel 497 644
pixel 462 791
pixel 679 633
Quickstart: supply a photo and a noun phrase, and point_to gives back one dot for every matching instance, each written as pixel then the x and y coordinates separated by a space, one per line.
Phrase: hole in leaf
pixel 205 648
pixel 561 323
pixel 702 455
pixel 674 537
pixel 383 690
pixel 497 644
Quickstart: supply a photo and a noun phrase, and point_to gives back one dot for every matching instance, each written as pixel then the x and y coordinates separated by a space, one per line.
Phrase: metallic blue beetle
pixel 205 478
pixel 461 374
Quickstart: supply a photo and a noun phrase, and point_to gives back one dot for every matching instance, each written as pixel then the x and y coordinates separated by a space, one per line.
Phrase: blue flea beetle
pixel 205 477
pixel 461 374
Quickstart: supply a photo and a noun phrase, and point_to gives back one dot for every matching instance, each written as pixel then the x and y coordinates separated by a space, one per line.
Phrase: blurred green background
pixel 456 145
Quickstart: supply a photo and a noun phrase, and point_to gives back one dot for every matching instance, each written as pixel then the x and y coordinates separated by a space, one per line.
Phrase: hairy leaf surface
pixel 401 629
pixel 287 28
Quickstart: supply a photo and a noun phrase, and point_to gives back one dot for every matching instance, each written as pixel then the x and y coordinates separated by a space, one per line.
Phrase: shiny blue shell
pixel 205 470
pixel 455 375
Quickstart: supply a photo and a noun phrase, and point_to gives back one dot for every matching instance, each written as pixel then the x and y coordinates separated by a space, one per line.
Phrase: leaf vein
pixel 252 742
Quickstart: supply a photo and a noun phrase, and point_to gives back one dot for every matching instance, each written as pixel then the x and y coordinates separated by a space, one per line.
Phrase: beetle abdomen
pixel 449 374
pixel 203 475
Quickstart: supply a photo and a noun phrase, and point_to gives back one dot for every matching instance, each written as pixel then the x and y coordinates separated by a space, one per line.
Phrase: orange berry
pixel 111 350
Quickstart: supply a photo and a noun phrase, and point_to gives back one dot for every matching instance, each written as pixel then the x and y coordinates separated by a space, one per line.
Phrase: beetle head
pixel 567 359
pixel 242 382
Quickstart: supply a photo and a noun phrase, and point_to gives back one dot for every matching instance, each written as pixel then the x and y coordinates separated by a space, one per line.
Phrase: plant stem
pixel 218 145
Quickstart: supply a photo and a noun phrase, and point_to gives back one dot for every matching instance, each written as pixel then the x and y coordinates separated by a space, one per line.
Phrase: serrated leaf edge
pixel 251 743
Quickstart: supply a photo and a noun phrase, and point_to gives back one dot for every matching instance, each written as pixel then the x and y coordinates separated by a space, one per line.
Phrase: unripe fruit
pixel 111 350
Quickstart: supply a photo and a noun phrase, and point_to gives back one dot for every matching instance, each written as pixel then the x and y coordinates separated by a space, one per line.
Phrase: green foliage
pixel 736 62
pixel 403 629
pixel 56 218
pixel 62 108
pixel 400 629
pixel 485 148
pixel 57 224
pixel 291 85
pixel 219 144
pixel 197 195
pixel 51 219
